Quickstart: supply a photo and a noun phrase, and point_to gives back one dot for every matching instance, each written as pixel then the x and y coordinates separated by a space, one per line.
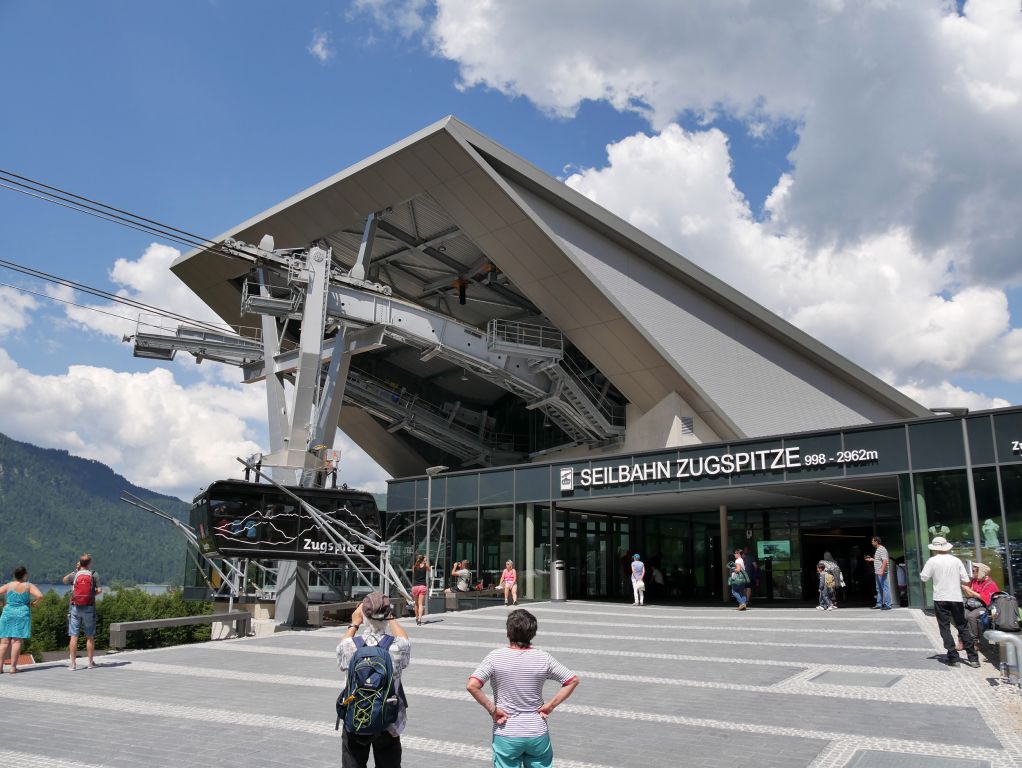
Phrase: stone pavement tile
pixel 874 759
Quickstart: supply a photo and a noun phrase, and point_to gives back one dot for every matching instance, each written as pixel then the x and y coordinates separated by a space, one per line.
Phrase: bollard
pixel 1010 651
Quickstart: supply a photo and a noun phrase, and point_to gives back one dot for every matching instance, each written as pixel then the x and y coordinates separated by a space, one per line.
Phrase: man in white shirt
pixel 949 574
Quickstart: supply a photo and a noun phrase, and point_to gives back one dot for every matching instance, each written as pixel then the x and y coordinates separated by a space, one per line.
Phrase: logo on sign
pixel 567 479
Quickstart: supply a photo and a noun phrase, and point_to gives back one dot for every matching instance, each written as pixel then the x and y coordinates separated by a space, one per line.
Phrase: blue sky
pixel 203 114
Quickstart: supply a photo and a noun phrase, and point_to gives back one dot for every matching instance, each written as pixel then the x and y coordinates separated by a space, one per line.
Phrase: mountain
pixel 54 507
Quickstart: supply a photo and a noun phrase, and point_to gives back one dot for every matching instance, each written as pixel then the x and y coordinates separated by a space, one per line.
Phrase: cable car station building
pixel 590 393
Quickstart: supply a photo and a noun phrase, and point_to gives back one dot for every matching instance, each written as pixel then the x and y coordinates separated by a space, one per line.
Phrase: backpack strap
pixel 385 642
pixel 359 642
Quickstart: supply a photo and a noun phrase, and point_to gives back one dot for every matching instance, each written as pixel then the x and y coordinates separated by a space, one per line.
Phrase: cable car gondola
pixel 236 518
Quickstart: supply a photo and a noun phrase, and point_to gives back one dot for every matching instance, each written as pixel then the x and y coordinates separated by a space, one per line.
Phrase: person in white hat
pixel 949 574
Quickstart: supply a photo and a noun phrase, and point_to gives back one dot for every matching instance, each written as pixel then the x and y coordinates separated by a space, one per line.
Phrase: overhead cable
pixel 40 191
pixel 103 294
pixel 137 321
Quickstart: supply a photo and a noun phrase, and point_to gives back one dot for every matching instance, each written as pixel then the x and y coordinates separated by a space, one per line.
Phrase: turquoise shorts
pixel 515 752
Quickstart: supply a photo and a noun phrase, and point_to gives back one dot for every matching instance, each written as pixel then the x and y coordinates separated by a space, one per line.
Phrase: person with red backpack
pixel 81 617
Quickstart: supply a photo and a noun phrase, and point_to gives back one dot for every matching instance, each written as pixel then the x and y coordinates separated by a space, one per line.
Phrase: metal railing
pixel 613 413
pixel 524 335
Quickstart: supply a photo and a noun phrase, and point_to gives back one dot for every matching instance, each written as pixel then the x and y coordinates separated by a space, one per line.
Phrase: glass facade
pixel 528 513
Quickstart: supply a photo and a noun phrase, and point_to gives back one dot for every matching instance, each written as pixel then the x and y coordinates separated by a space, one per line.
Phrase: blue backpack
pixel 369 702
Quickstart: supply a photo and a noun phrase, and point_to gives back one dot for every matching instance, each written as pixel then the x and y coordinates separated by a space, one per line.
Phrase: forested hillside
pixel 54 506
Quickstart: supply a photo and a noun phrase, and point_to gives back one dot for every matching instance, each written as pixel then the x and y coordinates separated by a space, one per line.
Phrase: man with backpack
pixel 81 617
pixel 372 703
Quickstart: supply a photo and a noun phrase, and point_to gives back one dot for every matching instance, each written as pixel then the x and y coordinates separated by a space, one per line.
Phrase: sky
pixel 855 167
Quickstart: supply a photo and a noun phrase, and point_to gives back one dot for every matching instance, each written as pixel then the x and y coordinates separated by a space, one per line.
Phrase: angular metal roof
pixel 457 206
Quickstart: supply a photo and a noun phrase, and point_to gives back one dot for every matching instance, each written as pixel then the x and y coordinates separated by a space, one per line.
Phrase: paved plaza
pixel 660 686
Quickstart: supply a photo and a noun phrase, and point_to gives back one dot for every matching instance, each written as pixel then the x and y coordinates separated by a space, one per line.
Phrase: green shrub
pixel 49 620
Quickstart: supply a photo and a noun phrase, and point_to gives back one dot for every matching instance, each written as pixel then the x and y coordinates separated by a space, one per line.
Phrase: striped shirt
pixel 517 676
pixel 880 557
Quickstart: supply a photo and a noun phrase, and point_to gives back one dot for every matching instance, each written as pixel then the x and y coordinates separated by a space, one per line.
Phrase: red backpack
pixel 83 591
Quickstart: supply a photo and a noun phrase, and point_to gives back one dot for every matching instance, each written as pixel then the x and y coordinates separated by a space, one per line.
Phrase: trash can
pixel 558 582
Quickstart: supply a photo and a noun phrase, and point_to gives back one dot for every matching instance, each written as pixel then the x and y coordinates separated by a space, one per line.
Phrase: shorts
pixel 417 590
pixel 81 620
pixel 530 752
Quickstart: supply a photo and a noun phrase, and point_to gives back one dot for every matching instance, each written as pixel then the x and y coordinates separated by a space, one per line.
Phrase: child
pixel 826 589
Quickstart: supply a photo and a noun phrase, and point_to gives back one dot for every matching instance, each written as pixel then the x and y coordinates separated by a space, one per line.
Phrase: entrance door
pixel 848 548
pixel 595 547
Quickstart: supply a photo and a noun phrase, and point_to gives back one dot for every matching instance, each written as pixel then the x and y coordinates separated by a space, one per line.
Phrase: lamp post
pixel 431 472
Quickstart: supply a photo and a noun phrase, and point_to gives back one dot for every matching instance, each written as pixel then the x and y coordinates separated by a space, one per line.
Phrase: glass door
pixel 596 549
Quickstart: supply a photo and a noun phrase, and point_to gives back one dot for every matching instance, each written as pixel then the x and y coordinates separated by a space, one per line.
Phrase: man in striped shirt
pixel 517 674
pixel 881 565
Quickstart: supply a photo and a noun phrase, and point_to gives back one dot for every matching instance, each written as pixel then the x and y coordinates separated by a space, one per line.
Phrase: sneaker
pixel 820 608
pixel 741 607
pixel 886 608
pixel 515 603
pixel 951 661
pixel 876 607
pixel 974 663
pixel 832 608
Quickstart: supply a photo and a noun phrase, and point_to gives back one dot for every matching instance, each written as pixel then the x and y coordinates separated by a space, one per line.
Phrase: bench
pixel 318 611
pixel 466 601
pixel 119 630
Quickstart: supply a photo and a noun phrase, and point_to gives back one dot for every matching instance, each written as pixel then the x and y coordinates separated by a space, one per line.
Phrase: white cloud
pixel 320 47
pixel 148 280
pixel 882 301
pixel 156 432
pixel 405 16
pixel 907 113
pixel 948 395
pixel 15 309
pixel 357 468
pixel 128 420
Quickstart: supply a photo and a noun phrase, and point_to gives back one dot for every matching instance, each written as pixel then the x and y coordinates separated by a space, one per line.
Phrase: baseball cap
pixel 376 605
pixel 635 556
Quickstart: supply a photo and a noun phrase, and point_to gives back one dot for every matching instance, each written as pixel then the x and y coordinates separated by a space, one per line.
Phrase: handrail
pixel 614 414
pixel 525 335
